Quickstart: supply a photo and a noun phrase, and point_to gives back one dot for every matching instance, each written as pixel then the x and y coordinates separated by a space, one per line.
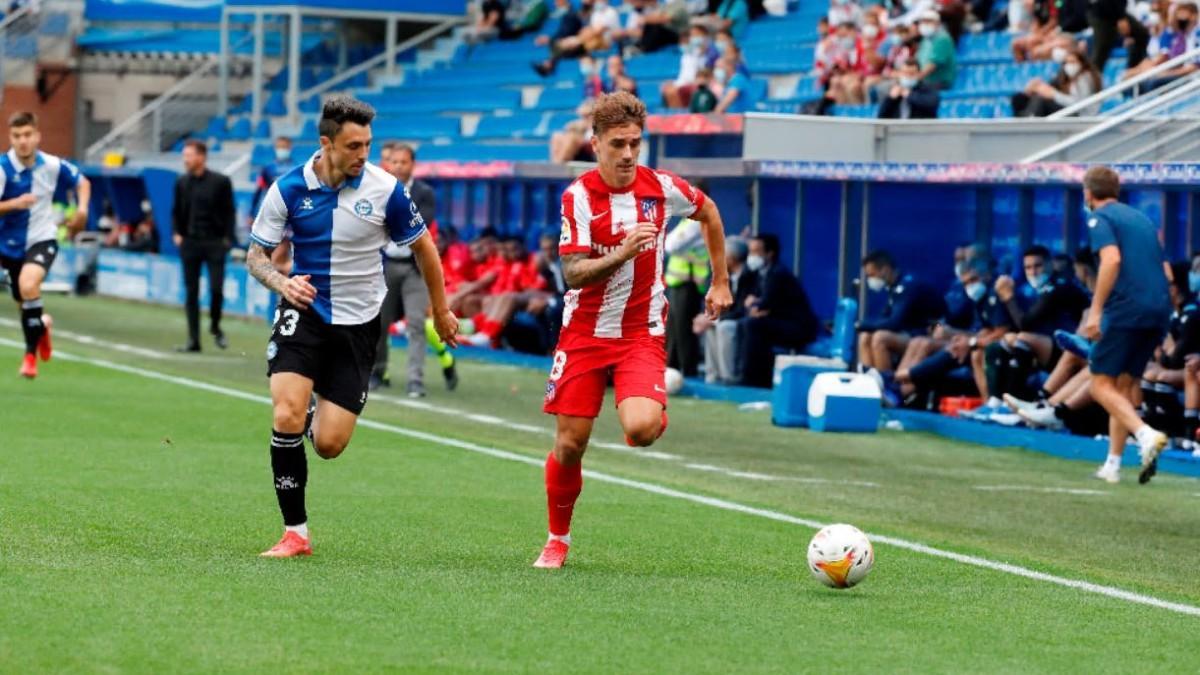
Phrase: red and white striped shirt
pixel 595 218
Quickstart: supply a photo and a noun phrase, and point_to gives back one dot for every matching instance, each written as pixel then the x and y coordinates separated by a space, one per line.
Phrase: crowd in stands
pixel 1015 342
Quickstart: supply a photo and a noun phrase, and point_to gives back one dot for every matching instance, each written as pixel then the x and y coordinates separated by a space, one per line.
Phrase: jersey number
pixel 291 318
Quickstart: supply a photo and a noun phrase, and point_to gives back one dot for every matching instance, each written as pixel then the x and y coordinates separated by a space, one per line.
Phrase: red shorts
pixel 582 365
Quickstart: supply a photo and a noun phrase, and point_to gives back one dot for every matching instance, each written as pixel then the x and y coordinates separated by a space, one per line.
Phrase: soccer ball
pixel 840 556
pixel 674 380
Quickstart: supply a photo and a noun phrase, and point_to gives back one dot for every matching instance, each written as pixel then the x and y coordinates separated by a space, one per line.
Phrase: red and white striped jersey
pixel 595 218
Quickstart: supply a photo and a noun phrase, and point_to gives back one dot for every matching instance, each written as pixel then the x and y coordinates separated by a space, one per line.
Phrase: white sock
pixel 1144 433
pixel 564 538
pixel 1113 462
pixel 994 402
pixel 301 529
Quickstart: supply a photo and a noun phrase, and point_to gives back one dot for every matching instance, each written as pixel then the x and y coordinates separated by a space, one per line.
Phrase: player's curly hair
pixel 617 109
pixel 342 109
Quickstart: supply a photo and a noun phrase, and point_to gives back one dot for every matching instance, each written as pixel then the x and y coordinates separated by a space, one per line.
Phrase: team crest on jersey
pixel 649 209
pixel 363 207
pixel 551 391
pixel 306 204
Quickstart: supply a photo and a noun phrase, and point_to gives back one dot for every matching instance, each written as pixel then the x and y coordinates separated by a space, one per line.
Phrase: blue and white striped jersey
pixel 50 179
pixel 337 235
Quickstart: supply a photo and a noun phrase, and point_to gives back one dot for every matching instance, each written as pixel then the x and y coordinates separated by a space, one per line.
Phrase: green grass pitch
pixel 133 506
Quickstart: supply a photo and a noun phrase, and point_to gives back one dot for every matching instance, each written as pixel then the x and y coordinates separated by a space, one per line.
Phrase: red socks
pixel 563 485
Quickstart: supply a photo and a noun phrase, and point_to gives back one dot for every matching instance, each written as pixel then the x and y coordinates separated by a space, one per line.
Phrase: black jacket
pixel 424 197
pixel 744 285
pixel 923 102
pixel 784 297
pixel 203 207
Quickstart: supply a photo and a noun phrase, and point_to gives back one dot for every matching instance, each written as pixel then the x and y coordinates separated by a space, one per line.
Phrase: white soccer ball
pixel 674 380
pixel 840 556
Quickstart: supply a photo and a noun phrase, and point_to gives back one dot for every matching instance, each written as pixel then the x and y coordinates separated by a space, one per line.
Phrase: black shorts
pixel 42 253
pixel 1124 351
pixel 338 359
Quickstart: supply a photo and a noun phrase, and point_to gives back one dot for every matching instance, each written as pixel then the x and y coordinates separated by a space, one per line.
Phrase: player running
pixel 31 182
pixel 341 211
pixel 614 323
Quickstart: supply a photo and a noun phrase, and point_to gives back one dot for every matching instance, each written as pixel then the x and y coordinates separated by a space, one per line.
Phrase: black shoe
pixel 189 347
pixel 221 341
pixel 542 68
pixel 1148 473
pixel 308 417
pixel 451 376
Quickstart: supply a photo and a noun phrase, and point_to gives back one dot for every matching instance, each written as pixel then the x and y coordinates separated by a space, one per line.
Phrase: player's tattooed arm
pixel 579 270
pixel 295 290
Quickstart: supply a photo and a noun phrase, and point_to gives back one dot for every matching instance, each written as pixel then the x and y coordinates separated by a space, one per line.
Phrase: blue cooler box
pixel 793 377
pixel 844 402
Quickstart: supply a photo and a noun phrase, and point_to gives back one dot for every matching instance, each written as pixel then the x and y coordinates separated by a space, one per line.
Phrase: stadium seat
pixel 275 105
pixel 215 128
pixel 240 130
pixel 560 98
pixel 263 129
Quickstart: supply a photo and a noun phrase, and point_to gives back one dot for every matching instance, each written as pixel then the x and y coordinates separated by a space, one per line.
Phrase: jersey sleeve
pixel 404 222
pixel 682 198
pixel 576 236
pixel 271 220
pixel 1100 233
pixel 68 178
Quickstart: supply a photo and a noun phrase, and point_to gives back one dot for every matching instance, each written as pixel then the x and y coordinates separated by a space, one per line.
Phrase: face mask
pixel 1037 280
pixel 1182 24
pixel 696 42
pixel 145 207
pixel 958 269
pixel 722 47
pixel 1058 55
pixel 847 42
pixel 927 29
pixel 875 284
pixel 870 31
pixel 755 262
pixel 585 68
pixel 908 82
pixel 1071 69
pixel 283 154
pixel 976 290
pixel 1194 282
pixel 719 74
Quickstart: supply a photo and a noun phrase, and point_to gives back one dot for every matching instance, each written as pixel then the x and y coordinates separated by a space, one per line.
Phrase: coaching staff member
pixel 203 223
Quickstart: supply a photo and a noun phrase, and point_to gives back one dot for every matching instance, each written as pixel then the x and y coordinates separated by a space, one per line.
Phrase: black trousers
pixel 683 346
pixel 1024 105
pixel 193 254
pixel 762 336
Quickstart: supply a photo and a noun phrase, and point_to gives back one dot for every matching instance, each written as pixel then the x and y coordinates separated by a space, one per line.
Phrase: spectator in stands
pixel 144 237
pixel 1109 19
pixel 564 43
pixel 533 14
pixel 656 25
pixel 697 53
pixel 845 11
pixel 489 23
pixel 687 277
pixel 735 83
pixel 550 265
pixel 271 173
pixel 722 338
pixel 730 15
pixel 989 321
pixel 1182 35
pixel 779 318
pixel 912 307
pixel 1043 36
pixel 898 48
pixel 1156 26
pixel 841 66
pixel 1075 81
pixel 616 78
pixel 203 224
pixel 484 270
pixel 1053 303
pixel 593 80
pixel 704 100
pixel 911 97
pixel 936 55
pixel 573 142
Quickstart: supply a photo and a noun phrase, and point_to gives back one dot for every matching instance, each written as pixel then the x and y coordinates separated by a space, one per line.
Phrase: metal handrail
pixel 377 60
pixel 1192 85
pixel 157 104
pixel 16 16
pixel 1120 87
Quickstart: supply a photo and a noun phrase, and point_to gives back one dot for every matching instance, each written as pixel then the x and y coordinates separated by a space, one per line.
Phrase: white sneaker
pixel 1109 474
pixel 1019 405
pixel 1150 445
pixel 1005 419
pixel 1042 417
pixel 1196 451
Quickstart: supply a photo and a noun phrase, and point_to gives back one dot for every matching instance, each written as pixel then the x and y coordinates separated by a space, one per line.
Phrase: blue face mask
pixel 976 290
pixel 1194 282
pixel 1037 281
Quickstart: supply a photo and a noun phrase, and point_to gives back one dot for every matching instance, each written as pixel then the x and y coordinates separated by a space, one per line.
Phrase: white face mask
pixel 908 82
pixel 719 74
pixel 283 154
pixel 1072 69
pixel 975 290
pixel 1058 55
pixel 876 284
pixel 927 29
pixel 1037 280
pixel 870 31
pixel 755 262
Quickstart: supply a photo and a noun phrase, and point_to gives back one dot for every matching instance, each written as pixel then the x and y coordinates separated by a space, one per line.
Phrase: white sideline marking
pixel 119 346
pixel 1048 490
pixel 753 475
pixel 723 504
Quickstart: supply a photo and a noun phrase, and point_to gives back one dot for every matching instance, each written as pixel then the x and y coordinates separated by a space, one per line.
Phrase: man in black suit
pixel 405 289
pixel 910 98
pixel 780 317
pixel 723 337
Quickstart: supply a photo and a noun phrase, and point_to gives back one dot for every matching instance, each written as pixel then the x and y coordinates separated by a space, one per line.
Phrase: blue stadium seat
pixel 275 104
pixel 519 125
pixel 215 128
pixel 263 129
pixel 262 154
pixel 560 98
pixel 310 128
pixel 240 130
